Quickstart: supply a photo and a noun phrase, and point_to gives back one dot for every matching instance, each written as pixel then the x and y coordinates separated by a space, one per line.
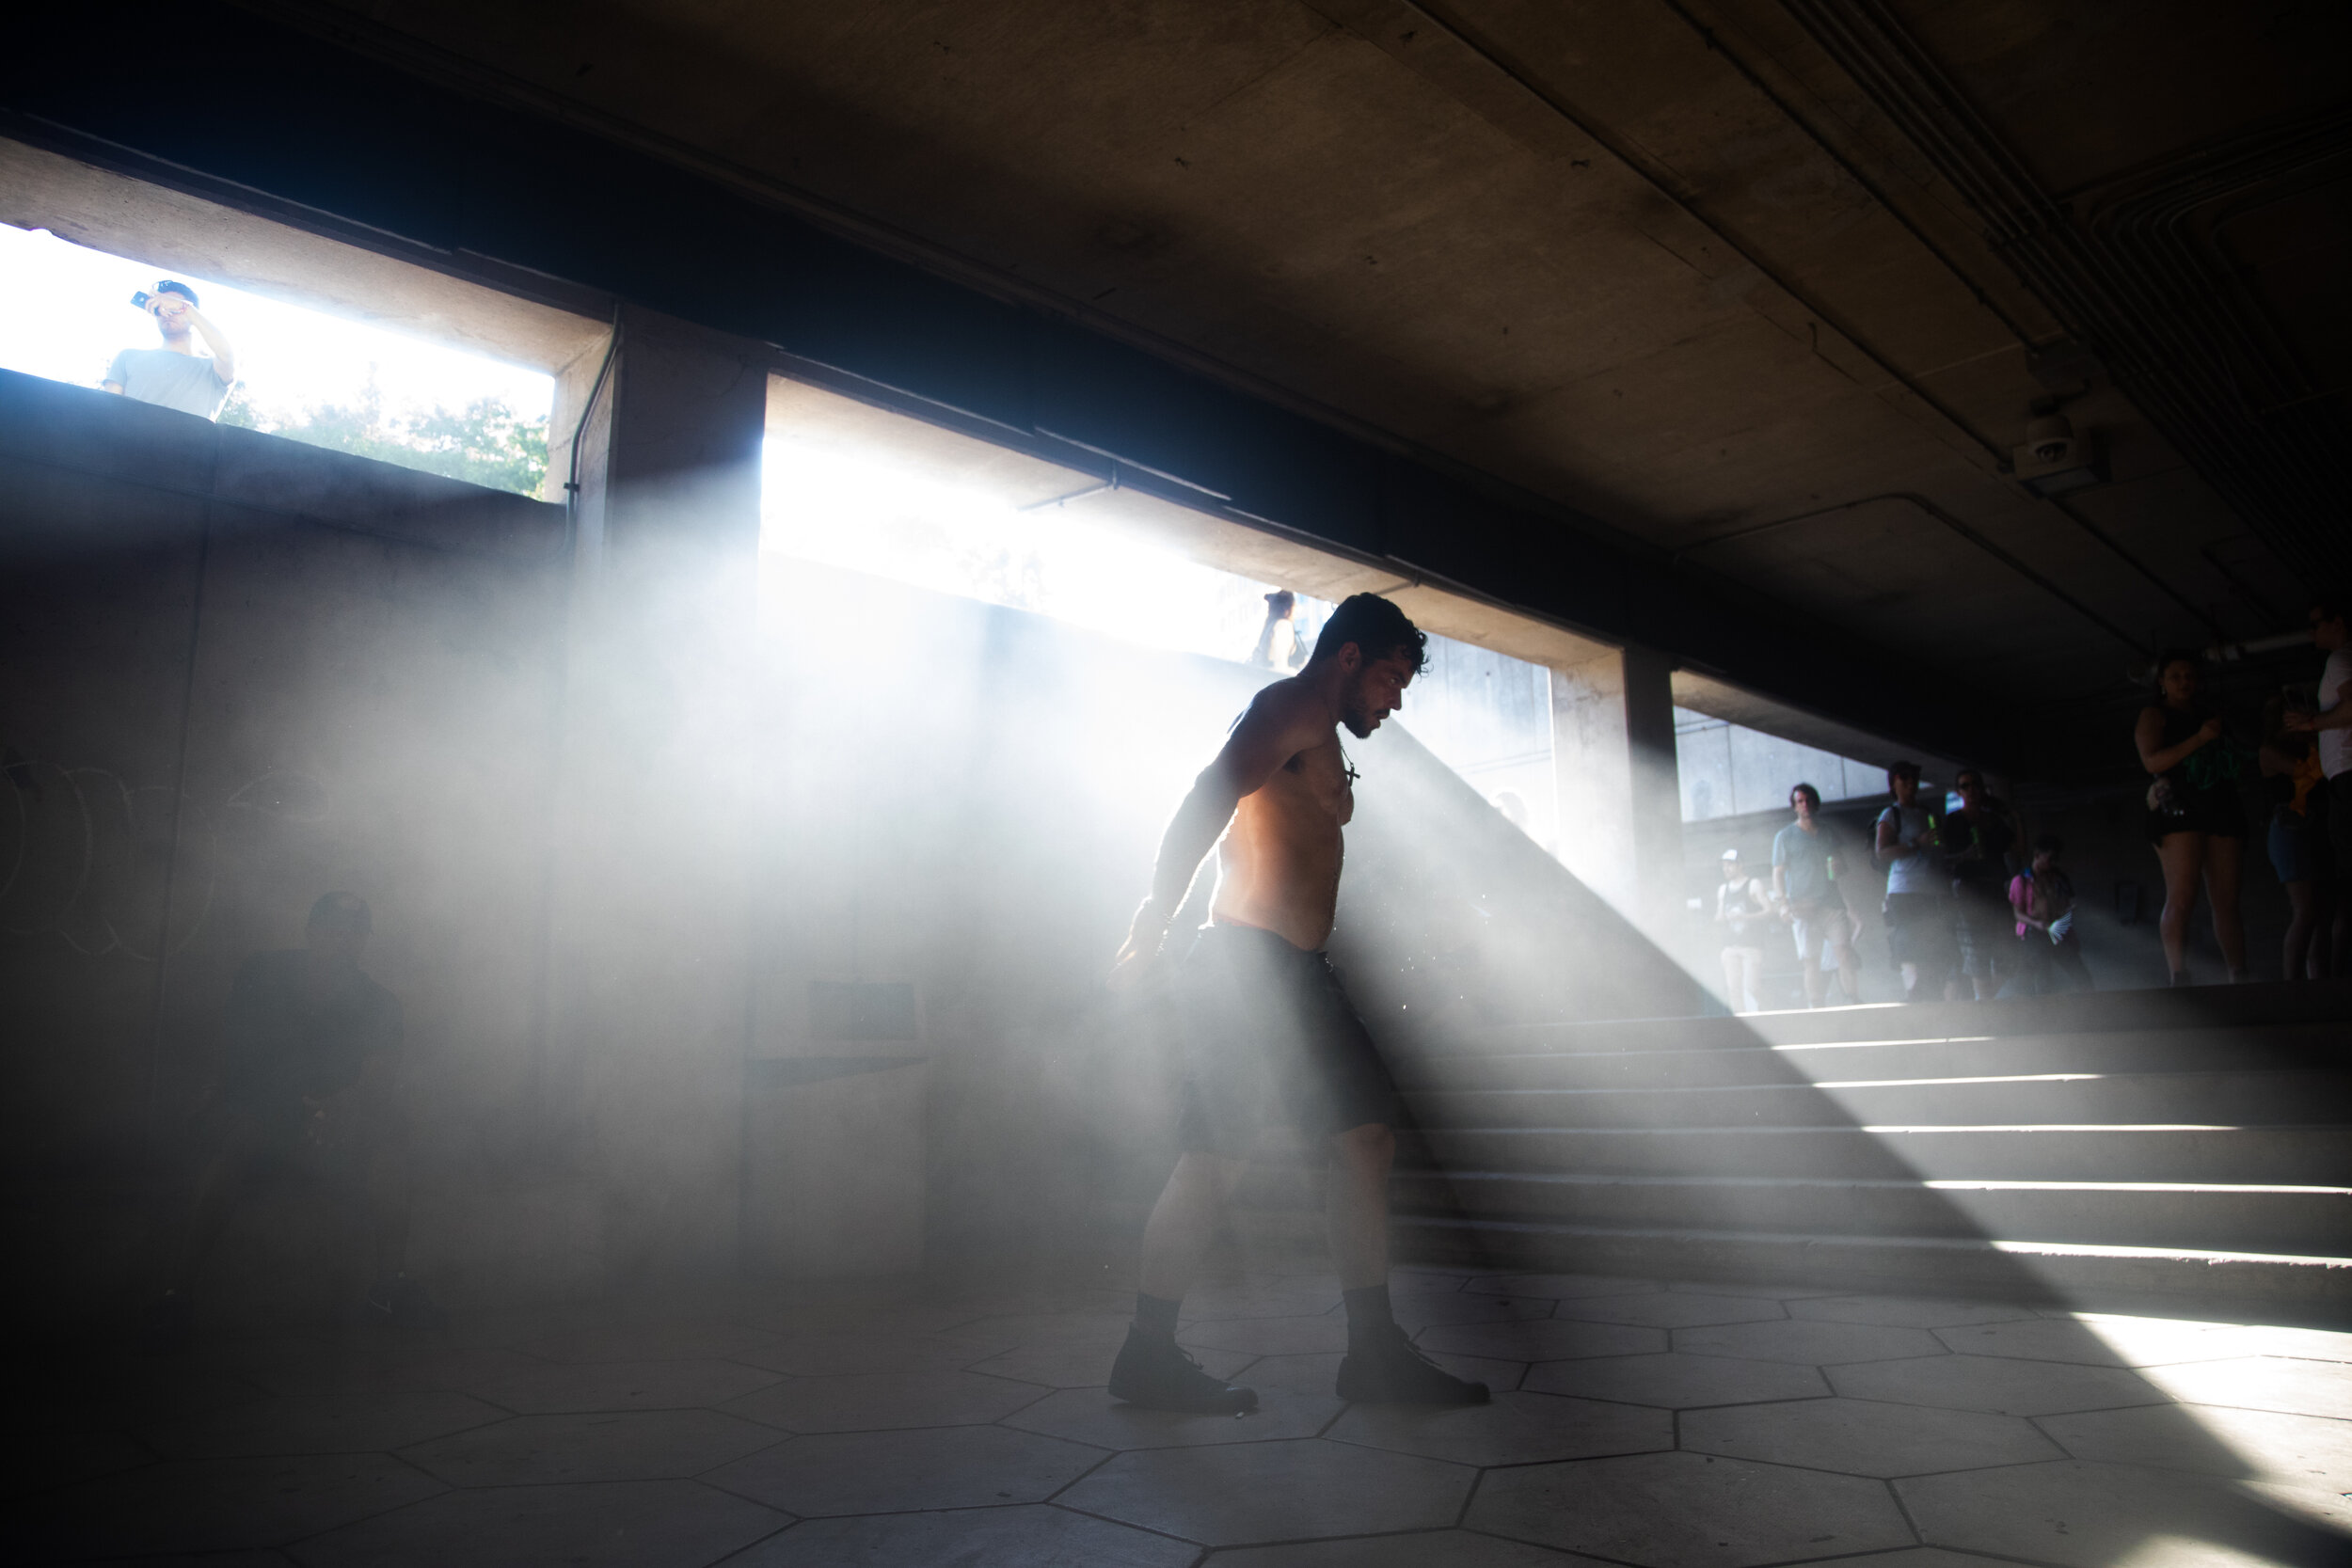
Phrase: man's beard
pixel 1359 719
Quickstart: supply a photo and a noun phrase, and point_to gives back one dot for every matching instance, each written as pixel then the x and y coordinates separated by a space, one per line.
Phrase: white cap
pixel 1731 854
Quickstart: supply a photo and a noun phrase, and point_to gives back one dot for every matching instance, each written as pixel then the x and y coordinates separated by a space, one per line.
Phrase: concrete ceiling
pixel 1685 264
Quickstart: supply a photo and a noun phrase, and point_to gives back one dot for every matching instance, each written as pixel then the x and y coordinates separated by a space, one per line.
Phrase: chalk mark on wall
pixel 67 844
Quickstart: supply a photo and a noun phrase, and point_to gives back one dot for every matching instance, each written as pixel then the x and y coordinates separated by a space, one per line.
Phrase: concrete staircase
pixel 2112 1147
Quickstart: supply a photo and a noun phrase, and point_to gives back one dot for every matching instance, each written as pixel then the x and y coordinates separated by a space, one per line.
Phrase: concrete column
pixel 1620 808
pixel 650 964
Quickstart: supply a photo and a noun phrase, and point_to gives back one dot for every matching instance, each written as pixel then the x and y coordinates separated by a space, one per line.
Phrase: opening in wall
pixel 873 491
pixel 168 298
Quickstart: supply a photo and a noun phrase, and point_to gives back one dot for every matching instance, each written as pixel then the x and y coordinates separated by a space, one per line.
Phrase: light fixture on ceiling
pixel 2055 461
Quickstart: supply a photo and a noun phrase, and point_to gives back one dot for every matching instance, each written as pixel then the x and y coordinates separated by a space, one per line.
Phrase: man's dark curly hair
pixel 1375 625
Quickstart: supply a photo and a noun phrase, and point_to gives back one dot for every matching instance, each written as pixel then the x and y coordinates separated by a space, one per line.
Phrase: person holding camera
pixel 175 375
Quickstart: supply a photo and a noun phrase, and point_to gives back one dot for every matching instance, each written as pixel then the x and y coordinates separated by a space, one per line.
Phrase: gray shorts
pixel 1820 927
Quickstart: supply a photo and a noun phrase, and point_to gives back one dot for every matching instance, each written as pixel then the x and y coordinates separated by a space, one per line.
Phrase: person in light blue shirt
pixel 175 375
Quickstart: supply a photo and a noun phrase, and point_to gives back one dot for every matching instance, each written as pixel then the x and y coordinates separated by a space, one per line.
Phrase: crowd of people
pixel 1970 913
pixel 1975 910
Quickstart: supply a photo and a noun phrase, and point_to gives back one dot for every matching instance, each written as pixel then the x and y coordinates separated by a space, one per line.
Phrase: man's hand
pixel 2209 731
pixel 1141 951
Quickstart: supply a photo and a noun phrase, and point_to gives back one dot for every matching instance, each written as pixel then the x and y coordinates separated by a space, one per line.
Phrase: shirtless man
pixel 1268 1030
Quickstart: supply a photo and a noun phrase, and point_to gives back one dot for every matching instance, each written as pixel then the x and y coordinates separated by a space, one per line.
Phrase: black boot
pixel 1154 1372
pixel 1384 1367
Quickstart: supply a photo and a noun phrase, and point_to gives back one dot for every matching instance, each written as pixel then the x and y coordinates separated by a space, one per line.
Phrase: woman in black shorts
pixel 2195 819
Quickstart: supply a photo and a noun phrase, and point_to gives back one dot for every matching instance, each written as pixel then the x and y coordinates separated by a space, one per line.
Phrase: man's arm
pixel 224 357
pixel 2337 717
pixel 1281 722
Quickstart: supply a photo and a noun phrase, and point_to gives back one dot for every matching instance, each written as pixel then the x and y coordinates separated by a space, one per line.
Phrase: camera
pixel 141 300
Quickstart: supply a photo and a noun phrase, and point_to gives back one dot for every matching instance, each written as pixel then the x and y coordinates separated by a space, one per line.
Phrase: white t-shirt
pixel 2335 746
pixel 1912 871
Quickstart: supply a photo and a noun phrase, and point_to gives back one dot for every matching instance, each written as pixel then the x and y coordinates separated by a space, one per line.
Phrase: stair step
pixel 2283 1047
pixel 2310 1288
pixel 2310 1220
pixel 2237 1098
pixel 2209 1008
pixel 2198 1152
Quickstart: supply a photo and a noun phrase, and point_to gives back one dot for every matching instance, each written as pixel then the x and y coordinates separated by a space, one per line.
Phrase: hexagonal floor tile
pixel 640 1445
pixel 1088 1366
pixel 1012 1331
pixel 1906 1311
pixel 1515 1429
pixel 1296 1296
pixel 1670 1309
pixel 873 1401
pixel 557 1388
pixel 890 1472
pixel 2095 1516
pixel 621 1524
pixel 1994 1384
pixel 363 1367
pixel 845 1354
pixel 1742 1288
pixel 1446 1549
pixel 2310 1344
pixel 1092 1416
pixel 1676 1382
pixel 1809 1341
pixel 1417 1312
pixel 1542 1339
pixel 1319 1374
pixel 215 1505
pixel 1247 1493
pixel 1557 1286
pixel 649 1342
pixel 1690 1511
pixel 980 1538
pixel 2304 1450
pixel 1268 1336
pixel 47 1459
pixel 1862 1437
pixel 2262 1383
pixel 331 1424
pixel 2115 1342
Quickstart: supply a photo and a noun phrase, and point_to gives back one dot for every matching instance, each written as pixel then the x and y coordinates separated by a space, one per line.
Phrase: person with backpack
pixel 2042 898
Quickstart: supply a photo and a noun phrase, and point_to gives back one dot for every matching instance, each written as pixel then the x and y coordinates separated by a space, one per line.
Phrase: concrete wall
pixel 614 818
pixel 238 671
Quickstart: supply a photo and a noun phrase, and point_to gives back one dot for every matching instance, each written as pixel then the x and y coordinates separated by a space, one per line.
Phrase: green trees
pixel 484 443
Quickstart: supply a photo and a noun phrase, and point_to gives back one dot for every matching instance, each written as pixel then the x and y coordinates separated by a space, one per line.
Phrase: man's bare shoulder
pixel 1291 709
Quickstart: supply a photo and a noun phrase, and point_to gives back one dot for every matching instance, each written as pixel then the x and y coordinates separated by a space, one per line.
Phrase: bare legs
pixel 2182 857
pixel 1815 983
pixel 2188 858
pixel 2304 955
pixel 1742 967
pixel 2225 864
pixel 1356 1204
pixel 1184 1222
pixel 1356 1213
